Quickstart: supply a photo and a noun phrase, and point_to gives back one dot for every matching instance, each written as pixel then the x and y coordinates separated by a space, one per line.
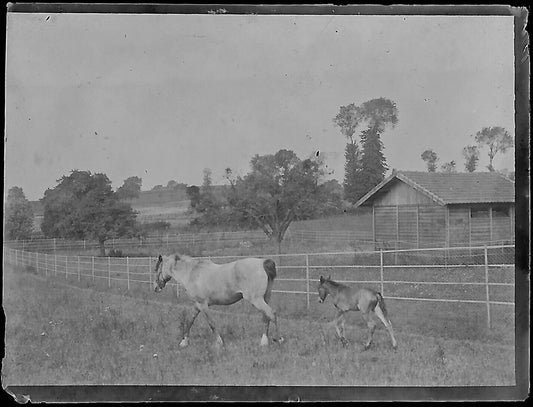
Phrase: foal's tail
pixel 381 304
pixel 270 269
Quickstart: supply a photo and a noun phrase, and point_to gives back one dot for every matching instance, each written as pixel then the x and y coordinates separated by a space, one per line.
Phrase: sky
pixel 164 96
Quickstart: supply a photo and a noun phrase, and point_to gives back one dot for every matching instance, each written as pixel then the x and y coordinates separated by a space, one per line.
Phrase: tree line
pixel 278 189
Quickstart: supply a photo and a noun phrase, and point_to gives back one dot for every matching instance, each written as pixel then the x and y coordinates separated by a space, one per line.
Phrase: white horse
pixel 207 283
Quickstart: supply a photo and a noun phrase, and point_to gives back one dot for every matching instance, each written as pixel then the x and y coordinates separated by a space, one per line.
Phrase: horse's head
pixel 163 271
pixel 322 289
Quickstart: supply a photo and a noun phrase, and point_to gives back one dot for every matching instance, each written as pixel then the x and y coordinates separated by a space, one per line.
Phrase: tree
pixel 18 216
pixel 279 189
pixel 84 206
pixel 471 156
pixel 497 139
pixel 448 167
pixel 208 205
pixel 430 157
pixel 348 119
pixel 130 189
pixel 368 168
pixel 193 192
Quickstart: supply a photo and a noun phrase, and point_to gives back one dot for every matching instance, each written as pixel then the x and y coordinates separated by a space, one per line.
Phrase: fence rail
pixel 243 238
pixel 474 275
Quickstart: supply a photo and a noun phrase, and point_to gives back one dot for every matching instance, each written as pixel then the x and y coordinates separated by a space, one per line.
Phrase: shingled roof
pixel 453 188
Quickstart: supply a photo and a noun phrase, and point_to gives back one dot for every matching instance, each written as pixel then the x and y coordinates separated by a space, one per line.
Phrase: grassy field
pixel 90 334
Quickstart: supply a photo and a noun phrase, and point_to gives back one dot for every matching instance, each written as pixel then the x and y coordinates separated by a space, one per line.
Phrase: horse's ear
pixel 321 279
pixel 176 257
pixel 160 258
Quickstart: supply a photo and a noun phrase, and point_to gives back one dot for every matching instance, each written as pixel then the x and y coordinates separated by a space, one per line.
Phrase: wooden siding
pixel 407 226
pixel 432 226
pixel 402 194
pixel 459 226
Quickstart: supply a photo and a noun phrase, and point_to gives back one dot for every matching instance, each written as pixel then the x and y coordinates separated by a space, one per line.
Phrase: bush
pixel 115 253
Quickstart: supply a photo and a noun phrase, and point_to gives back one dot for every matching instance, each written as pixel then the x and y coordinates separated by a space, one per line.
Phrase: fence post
pixel 37 261
pixel 307 277
pixel 92 266
pixel 46 264
pixel 109 270
pixel 78 268
pixel 84 245
pixel 16 258
pixel 55 264
pixel 128 270
pixel 66 266
pixel 487 286
pixel 381 270
pixel 150 271
pixel 55 246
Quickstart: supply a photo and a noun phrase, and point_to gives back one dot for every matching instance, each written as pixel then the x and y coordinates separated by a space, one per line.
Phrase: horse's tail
pixel 381 304
pixel 270 269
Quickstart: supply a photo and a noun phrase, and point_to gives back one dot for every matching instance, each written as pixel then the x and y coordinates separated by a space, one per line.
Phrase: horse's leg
pixel 218 339
pixel 339 326
pixel 387 323
pixel 371 327
pixel 268 316
pixel 185 340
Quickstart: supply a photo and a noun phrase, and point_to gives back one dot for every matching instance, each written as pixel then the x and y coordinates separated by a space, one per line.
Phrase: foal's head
pixel 162 271
pixel 323 290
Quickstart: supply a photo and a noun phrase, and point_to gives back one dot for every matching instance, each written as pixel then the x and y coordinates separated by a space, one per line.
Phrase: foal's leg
pixel 339 326
pixel 185 340
pixel 268 316
pixel 371 327
pixel 218 339
pixel 387 324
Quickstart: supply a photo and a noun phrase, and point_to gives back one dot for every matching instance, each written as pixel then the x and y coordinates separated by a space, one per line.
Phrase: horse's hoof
pixel 184 343
pixel 264 340
pixel 219 343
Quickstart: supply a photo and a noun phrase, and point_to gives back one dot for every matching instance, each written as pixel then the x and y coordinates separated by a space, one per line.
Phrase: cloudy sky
pixel 164 96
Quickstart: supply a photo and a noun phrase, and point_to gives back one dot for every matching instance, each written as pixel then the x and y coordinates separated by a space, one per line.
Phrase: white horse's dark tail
pixel 270 269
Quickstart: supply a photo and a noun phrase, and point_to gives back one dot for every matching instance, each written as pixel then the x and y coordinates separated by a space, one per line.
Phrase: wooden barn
pixel 429 209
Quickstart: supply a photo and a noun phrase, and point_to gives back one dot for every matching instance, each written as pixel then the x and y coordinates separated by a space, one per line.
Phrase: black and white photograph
pixel 258 203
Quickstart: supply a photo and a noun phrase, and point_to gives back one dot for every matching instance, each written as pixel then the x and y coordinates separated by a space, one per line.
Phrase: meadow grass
pixel 57 333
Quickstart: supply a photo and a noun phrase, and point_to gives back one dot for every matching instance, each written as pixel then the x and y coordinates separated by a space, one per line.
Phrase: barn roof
pixel 451 188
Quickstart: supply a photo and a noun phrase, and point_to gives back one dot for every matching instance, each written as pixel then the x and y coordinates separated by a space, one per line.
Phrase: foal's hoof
pixel 366 347
pixel 279 340
pixel 219 343
pixel 344 342
pixel 184 343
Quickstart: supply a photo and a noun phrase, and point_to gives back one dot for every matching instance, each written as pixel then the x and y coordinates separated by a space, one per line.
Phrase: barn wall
pixel 412 226
pixel 402 194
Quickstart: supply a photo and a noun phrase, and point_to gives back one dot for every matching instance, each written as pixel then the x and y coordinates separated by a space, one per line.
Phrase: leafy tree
pixel 208 205
pixel 448 167
pixel 193 192
pixel 84 206
pixel 471 156
pixel 430 157
pixel 497 139
pixel 158 187
pixel 18 216
pixel 279 189
pixel 130 189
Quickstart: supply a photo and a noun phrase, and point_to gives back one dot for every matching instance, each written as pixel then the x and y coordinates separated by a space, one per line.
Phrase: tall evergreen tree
pixel 352 173
pixel 374 165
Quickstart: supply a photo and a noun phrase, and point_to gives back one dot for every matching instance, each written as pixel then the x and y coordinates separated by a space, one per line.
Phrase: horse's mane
pixel 334 283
